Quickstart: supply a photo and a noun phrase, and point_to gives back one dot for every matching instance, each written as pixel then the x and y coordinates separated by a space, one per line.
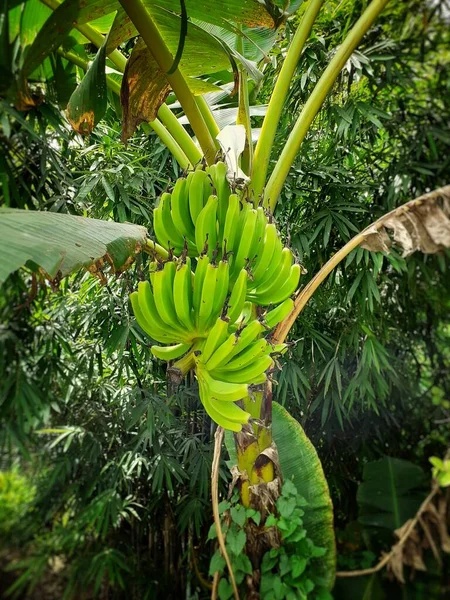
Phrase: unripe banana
pixel 259 236
pixel 180 210
pixel 279 313
pixel 182 292
pixel 245 375
pixel 237 298
pixel 200 272
pixel 170 352
pixel 196 189
pixel 252 353
pixel 263 260
pixel 215 415
pixel 245 242
pixel 231 218
pixel 206 227
pixel 150 328
pixel 163 294
pixel 165 230
pixel 221 291
pixel 219 177
pixel 222 390
pixel 207 298
pixel 275 296
pixel 148 307
pixel 217 335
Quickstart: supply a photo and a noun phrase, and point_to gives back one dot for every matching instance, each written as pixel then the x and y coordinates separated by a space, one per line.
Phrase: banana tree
pixel 222 291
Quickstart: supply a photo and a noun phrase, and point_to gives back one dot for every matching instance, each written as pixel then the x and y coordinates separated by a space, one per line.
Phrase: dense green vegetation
pixel 105 466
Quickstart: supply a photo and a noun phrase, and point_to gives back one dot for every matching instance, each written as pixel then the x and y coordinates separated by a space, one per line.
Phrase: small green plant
pixel 287 569
pixel 441 470
pixel 16 495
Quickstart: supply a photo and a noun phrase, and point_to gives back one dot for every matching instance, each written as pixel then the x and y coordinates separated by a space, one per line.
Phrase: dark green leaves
pixel 60 244
pixel 391 492
pixel 87 105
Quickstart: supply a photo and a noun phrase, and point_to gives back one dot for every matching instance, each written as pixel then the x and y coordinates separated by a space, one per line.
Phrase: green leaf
pixel 300 464
pixel 62 243
pixel 236 540
pixel 217 563
pixel 391 492
pixel 225 589
pixel 58 26
pixel 238 515
pixel 87 104
pixel 286 506
pixel 298 565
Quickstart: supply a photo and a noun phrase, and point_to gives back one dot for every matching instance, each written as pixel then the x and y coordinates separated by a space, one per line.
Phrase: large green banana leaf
pixel 60 243
pixel 391 492
pixel 299 463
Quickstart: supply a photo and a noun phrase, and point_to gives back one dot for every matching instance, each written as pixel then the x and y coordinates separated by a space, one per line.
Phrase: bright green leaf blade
pixel 61 243
pixel 300 463
pixel 59 24
pixel 87 104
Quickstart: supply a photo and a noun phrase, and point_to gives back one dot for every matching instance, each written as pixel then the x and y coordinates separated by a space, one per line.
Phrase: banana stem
pixel 243 116
pixel 278 97
pixel 143 22
pixel 179 133
pixel 209 118
pixel 315 101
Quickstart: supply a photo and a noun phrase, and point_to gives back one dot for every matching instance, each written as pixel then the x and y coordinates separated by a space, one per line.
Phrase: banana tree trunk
pixel 259 476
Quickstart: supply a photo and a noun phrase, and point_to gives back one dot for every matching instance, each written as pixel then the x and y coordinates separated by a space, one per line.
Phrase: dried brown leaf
pixel 422 224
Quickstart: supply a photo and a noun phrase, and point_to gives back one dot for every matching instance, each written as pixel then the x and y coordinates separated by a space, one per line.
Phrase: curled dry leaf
pixel 422 224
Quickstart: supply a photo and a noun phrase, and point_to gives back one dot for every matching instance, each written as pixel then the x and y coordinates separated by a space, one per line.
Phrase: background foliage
pixel 116 467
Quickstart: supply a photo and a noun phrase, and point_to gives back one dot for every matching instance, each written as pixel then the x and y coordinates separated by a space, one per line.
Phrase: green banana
pixel 207 298
pixel 165 230
pixel 244 338
pixel 275 296
pixel 265 258
pixel 221 291
pixel 163 294
pixel 216 336
pixel 279 313
pixel 259 235
pixel 278 279
pixel 148 307
pixel 170 352
pixel 182 293
pixel 150 328
pixel 237 297
pixel 219 177
pixel 247 374
pixel 222 390
pixel 180 210
pixel 200 272
pixel 245 243
pixel 229 230
pixel 215 415
pixel 249 355
pixel 221 353
pixel 196 188
pixel 206 227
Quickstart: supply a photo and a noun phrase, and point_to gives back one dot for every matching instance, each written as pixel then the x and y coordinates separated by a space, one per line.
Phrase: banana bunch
pixel 179 307
pixel 202 216
pixel 201 306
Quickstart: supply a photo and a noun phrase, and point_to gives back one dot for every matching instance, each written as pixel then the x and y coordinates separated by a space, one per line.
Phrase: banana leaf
pixel 61 244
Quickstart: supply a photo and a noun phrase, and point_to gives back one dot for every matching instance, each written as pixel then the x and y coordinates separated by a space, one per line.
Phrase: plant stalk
pixel 315 101
pixel 269 128
pixel 243 116
pixel 209 118
pixel 143 22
